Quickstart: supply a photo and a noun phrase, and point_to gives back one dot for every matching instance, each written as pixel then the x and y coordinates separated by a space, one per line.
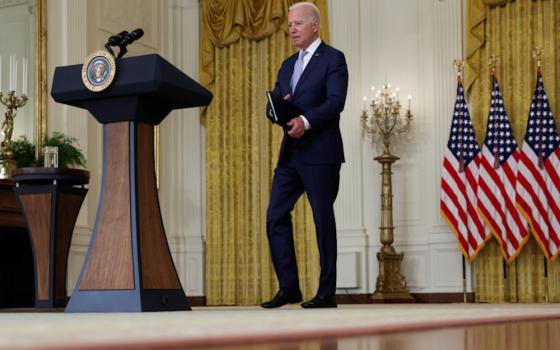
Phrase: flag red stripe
pixel 471 210
pixel 535 205
pixel 537 177
pixel 510 204
pixel 453 197
pixel 501 228
pixel 454 223
pixel 553 235
pixel 455 175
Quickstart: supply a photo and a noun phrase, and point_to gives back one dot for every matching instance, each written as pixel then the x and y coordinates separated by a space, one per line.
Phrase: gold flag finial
pixel 458 65
pixel 537 54
pixel 492 62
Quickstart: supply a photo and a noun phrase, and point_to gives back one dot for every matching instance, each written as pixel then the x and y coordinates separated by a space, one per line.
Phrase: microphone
pixel 122 40
pixel 115 40
pixel 128 39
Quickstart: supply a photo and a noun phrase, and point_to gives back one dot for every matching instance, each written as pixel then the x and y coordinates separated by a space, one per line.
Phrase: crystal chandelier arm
pixel 405 126
pixel 366 127
pixel 385 123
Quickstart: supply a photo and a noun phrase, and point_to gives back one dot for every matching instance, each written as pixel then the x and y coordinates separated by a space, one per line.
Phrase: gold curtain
pixel 510 30
pixel 243 43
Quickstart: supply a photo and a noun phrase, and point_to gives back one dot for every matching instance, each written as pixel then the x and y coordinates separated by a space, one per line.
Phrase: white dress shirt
pixel 310 51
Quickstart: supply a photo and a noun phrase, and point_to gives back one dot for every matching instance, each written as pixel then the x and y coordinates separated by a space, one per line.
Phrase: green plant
pixel 24 152
pixel 69 152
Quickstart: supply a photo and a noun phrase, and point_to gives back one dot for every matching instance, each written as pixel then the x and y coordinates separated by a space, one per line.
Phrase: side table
pixel 51 199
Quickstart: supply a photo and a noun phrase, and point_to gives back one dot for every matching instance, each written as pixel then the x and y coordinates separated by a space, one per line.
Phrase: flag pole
pixel 537 53
pixel 458 65
pixel 464 280
pixel 516 283
pixel 506 289
pixel 545 280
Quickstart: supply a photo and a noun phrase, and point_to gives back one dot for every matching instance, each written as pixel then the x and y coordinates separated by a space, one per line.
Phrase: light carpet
pixel 205 326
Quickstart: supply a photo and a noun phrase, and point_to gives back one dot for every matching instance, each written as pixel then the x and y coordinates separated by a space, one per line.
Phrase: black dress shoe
pixel 319 302
pixel 282 298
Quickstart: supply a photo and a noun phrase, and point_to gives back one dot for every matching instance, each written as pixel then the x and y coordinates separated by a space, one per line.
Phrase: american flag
pixel 497 178
pixel 458 201
pixel 538 179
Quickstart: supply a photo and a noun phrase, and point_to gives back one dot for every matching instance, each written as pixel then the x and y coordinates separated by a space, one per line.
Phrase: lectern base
pixel 128 267
pixel 128 301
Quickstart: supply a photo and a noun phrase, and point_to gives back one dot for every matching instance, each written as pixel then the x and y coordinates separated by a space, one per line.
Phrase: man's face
pixel 99 71
pixel 303 29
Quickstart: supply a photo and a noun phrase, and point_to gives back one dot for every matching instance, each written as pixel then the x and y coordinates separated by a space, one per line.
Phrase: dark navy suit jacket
pixel 320 93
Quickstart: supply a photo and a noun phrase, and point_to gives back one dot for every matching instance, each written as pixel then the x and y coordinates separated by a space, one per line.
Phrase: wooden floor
pixel 352 327
pixel 534 335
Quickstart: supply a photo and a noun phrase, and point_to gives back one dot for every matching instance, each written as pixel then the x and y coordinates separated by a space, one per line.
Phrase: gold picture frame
pixel 41 79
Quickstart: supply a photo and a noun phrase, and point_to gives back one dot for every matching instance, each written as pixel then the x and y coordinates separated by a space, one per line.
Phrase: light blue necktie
pixel 298 70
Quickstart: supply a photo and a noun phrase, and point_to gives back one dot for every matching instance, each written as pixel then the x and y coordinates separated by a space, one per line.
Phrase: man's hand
pixel 297 128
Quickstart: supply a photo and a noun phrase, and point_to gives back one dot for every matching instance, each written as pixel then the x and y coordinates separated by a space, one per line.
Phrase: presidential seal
pixel 98 71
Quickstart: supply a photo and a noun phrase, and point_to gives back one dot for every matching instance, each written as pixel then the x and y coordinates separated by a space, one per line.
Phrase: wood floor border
pixel 365 298
pixel 421 298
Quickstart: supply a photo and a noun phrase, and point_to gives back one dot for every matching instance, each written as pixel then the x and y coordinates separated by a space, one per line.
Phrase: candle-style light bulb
pixel 365 103
pixel 15 73
pixel 372 92
pixel 24 77
pixel 409 99
pixel 11 78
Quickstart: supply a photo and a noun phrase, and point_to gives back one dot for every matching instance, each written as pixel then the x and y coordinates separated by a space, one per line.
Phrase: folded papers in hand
pixel 280 111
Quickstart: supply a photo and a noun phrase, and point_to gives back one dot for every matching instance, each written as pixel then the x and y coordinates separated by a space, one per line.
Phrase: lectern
pixel 128 266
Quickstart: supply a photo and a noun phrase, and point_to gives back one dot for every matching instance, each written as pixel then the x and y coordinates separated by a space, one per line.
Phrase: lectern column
pixel 128 266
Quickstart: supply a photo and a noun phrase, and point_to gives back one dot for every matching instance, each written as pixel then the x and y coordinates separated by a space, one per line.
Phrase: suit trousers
pixel 320 182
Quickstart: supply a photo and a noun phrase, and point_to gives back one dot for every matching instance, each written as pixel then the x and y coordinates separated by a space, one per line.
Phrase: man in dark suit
pixel 316 80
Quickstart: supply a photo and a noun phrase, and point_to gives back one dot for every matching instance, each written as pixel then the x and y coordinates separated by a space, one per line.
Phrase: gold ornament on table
pixel 386 122
pixel 12 103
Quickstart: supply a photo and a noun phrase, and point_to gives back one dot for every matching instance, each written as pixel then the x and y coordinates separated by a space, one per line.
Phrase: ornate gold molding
pixel 494 3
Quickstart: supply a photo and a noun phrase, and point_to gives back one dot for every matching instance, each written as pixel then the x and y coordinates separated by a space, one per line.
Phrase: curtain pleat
pixel 511 31
pixel 243 44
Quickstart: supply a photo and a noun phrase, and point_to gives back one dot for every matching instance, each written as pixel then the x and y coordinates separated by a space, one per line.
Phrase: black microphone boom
pixel 122 40
pixel 128 39
pixel 115 40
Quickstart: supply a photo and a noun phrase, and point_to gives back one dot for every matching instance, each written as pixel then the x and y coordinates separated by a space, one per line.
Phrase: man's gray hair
pixel 313 10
